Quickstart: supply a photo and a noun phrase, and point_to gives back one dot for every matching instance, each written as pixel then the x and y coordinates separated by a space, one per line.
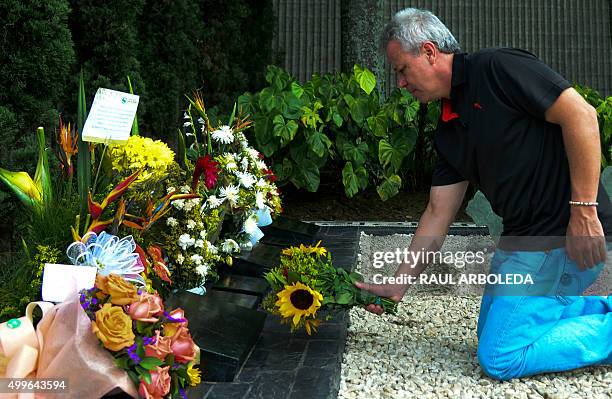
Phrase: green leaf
pixel 306 175
pixel 354 179
pixel 310 116
pixel 296 89
pixel 365 78
pixel 389 187
pixel 411 111
pixel 83 155
pixel 344 298
pixel 135 123
pixel 378 124
pixel 290 106
pixel 122 362
pixel 267 101
pixel 144 373
pixel 150 362
pixel 318 142
pixel 349 179
pixel 337 119
pixel 355 277
pixel 355 153
pixel 392 152
pixel 286 131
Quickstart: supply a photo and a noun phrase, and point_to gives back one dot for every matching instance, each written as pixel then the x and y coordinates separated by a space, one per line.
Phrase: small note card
pixel 62 281
pixel 111 117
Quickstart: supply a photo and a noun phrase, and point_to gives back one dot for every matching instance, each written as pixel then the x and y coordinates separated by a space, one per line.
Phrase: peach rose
pixel 113 327
pixel 161 348
pixel 159 386
pixel 146 308
pixel 182 345
pixel 121 291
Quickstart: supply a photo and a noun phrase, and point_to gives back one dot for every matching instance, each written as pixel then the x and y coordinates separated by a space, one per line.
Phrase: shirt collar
pixel 459 71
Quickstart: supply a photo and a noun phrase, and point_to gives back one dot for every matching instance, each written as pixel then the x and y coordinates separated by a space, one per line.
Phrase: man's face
pixel 415 73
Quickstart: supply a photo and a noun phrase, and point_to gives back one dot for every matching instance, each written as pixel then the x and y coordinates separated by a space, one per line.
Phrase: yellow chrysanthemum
pixel 292 251
pixel 298 300
pixel 194 375
pixel 142 152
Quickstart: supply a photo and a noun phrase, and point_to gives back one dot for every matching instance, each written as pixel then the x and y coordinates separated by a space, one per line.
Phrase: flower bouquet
pixel 153 345
pixel 306 281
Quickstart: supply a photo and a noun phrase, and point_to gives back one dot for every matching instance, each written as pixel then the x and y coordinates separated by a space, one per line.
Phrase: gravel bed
pixel 428 350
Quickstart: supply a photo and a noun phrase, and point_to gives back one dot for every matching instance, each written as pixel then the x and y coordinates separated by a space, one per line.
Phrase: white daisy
pixel 185 241
pixel 260 199
pixel 199 244
pixel 197 259
pixel 229 193
pixel 213 202
pixel 180 259
pixel 202 269
pixel 261 165
pixel 253 153
pixel 172 222
pixel 178 204
pixel 246 179
pixel 191 224
pixel 244 163
pixel 211 248
pixel 223 135
pixel 250 225
pixel 261 183
pixel 185 189
pixel 203 234
pixel 170 190
pixel 229 246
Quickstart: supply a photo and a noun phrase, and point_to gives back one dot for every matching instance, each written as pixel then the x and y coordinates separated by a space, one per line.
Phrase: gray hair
pixel 413 27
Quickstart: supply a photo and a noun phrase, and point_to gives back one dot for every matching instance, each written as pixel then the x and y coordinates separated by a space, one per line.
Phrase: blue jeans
pixel 548 327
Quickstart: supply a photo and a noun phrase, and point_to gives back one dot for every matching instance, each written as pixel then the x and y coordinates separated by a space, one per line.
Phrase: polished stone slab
pixel 241 284
pixel 224 331
pixel 236 298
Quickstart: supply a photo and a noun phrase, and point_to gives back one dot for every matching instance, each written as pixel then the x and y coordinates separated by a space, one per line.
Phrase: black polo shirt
pixel 496 137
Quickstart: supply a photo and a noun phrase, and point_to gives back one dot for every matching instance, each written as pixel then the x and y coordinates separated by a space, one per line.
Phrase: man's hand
pixel 585 243
pixel 394 292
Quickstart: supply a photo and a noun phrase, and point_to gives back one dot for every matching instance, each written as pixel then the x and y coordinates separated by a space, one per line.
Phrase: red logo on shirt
pixel 477 105
pixel 447 111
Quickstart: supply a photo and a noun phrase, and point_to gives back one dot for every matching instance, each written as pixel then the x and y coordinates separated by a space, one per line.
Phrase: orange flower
pixel 146 308
pixel 159 386
pixel 113 327
pixel 68 140
pixel 121 291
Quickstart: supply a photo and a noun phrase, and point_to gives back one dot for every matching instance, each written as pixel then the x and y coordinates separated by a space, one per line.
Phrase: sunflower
pixel 298 300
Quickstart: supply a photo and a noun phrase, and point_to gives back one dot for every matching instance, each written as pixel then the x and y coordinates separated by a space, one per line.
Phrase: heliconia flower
pixel 207 166
pixel 32 193
pixel 96 209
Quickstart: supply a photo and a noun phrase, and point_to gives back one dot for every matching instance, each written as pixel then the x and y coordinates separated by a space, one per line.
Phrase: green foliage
pixel 20 279
pixel 336 122
pixel 603 106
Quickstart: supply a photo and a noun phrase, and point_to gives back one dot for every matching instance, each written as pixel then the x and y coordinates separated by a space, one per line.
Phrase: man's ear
pixel 430 51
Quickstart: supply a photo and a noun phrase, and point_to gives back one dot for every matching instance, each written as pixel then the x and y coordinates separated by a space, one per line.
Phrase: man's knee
pixel 500 366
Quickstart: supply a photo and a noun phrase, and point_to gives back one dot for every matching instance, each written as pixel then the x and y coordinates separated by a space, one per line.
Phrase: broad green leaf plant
pixel 335 122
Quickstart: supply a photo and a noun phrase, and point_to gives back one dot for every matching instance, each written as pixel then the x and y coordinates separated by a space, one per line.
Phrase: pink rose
pixel 159 386
pixel 178 315
pixel 161 348
pixel 147 306
pixel 182 345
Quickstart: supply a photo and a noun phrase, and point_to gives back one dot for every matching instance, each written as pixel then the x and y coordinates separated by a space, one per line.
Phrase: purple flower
pixel 182 392
pixel 132 353
pixel 173 320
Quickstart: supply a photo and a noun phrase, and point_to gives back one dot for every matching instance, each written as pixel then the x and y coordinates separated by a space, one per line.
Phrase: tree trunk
pixel 362 25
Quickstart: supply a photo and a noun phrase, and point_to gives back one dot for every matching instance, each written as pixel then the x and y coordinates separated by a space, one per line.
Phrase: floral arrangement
pixel 152 344
pixel 306 282
pixel 236 179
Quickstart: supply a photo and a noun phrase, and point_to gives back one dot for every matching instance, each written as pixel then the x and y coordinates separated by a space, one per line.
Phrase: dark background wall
pixel 572 36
